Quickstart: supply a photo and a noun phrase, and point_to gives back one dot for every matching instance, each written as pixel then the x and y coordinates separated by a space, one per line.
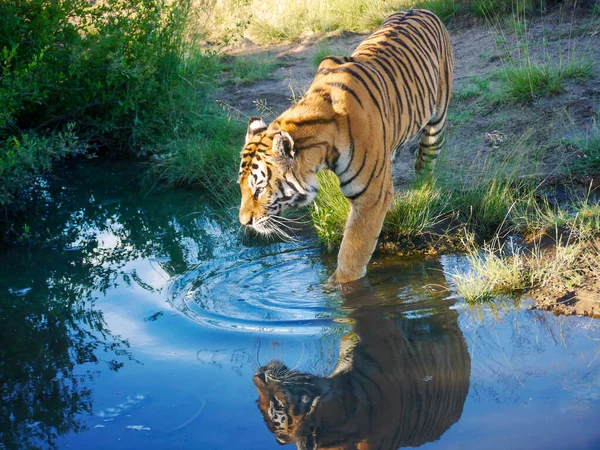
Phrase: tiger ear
pixel 255 125
pixel 283 145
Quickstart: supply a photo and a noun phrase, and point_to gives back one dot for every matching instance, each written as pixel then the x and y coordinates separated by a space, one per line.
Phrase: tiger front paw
pixel 341 277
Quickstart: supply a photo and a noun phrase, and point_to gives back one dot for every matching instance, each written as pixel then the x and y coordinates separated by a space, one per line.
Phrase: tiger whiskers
pixel 270 226
pixel 298 221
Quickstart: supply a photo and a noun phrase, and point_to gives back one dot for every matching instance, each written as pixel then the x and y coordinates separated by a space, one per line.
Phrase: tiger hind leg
pixel 431 141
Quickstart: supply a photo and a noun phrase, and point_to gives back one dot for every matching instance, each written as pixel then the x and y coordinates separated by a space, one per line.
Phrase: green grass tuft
pixel 492 272
pixel 415 211
pixel 330 210
pixel 526 81
pixel 323 50
pixel 444 9
pixel 250 69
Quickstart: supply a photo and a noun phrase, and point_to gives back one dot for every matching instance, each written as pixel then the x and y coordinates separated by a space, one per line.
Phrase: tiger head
pixel 270 177
pixel 287 401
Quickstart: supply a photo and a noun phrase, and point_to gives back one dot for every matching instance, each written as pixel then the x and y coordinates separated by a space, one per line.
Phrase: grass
pixel 444 9
pixel 526 81
pixel 492 273
pixel 529 73
pixel 323 50
pixel 496 271
pixel 200 142
pixel 426 211
pixel 415 211
pixel 250 69
pixel 271 21
pixel 589 149
pixel 330 210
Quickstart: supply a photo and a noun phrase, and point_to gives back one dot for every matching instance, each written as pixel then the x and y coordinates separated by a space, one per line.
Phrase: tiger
pixel 358 109
pixel 400 380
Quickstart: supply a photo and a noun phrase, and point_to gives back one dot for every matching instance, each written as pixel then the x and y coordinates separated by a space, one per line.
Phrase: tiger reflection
pixel 399 381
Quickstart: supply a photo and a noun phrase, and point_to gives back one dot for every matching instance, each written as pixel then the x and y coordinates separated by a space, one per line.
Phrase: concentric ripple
pixel 277 289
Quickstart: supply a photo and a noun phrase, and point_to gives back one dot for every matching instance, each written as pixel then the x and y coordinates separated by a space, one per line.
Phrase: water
pixel 136 319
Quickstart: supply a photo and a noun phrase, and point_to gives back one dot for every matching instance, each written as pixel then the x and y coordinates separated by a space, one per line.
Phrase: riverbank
pixel 522 155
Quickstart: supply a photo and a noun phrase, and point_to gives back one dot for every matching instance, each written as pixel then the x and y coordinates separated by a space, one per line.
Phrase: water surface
pixel 137 318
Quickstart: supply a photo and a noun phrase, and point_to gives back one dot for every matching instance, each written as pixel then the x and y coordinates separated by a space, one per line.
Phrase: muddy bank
pixel 572 288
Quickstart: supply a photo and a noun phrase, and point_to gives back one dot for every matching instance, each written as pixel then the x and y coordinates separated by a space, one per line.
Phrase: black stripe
pixel 353 177
pixel 351 137
pixel 416 81
pixel 421 64
pixel 358 194
pixel 309 122
pixel 345 88
pixel 335 59
pixel 361 79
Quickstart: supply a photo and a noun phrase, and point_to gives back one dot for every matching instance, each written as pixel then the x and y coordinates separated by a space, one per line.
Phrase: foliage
pixel 76 72
pixel 24 156
pixel 99 65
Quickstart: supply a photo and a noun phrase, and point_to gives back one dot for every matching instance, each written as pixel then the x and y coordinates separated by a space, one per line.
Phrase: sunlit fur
pixel 398 383
pixel 358 109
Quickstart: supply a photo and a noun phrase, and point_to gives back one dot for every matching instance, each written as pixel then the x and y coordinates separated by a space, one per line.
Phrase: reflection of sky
pixel 534 378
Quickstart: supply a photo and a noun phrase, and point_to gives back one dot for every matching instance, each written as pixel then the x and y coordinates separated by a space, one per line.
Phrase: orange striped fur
pixel 397 83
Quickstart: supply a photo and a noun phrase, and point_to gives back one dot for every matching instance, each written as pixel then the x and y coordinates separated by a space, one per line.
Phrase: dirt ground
pixel 528 139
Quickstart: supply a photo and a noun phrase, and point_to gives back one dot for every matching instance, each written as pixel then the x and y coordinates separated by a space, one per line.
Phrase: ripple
pixel 276 290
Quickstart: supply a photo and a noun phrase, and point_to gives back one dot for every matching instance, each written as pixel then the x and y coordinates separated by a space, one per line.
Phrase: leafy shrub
pixel 102 66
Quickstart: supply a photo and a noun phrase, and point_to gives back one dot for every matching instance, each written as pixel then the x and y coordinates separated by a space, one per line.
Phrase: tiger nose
pixel 246 218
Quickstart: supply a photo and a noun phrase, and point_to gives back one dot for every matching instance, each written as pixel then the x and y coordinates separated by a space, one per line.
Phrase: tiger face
pixel 287 401
pixel 268 181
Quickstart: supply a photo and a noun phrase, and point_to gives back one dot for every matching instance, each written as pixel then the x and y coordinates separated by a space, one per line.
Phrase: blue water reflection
pixel 135 320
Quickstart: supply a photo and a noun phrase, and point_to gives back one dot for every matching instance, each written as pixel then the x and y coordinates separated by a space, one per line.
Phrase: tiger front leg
pixel 360 237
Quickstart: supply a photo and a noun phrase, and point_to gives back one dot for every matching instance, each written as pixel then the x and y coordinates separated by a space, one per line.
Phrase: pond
pixel 140 318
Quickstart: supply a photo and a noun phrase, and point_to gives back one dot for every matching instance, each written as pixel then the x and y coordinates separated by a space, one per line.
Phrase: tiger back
pixel 358 109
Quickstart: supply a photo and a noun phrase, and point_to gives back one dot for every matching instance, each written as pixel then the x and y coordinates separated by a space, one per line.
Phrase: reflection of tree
pixel 44 337
pixel 401 380
pixel 84 233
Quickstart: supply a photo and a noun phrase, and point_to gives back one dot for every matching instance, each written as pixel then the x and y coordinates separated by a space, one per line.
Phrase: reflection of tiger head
pixel 271 177
pixel 287 401
pixel 399 382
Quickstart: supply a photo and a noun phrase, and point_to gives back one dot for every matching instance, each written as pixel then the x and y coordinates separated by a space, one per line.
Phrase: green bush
pixel 22 157
pixel 102 66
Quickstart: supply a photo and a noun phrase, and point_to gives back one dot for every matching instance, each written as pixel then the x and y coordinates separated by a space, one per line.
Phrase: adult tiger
pixel 355 113
pixel 401 380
